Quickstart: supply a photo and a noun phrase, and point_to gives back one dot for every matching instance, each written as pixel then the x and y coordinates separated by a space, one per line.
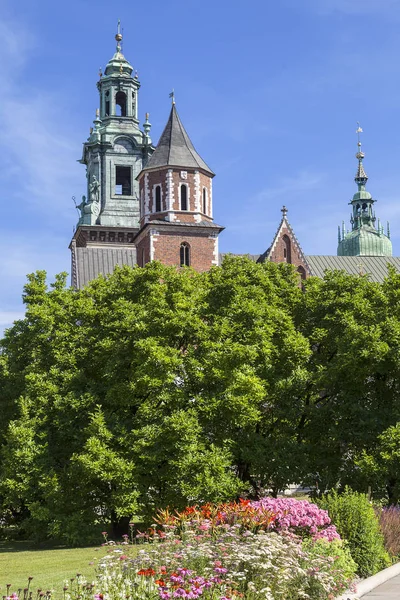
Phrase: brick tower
pixel 176 205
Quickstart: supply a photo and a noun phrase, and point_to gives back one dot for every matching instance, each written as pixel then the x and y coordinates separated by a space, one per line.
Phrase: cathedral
pixel 147 203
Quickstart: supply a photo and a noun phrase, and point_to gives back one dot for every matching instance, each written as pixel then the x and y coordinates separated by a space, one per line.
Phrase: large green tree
pixel 157 386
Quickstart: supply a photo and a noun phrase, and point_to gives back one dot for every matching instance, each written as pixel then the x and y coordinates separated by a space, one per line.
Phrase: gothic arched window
pixel 158 198
pixel 204 200
pixel 287 251
pixel 302 272
pixel 120 104
pixel 185 255
pixel 184 203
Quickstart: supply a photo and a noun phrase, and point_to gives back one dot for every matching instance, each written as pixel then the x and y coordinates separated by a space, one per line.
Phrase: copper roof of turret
pixel 175 148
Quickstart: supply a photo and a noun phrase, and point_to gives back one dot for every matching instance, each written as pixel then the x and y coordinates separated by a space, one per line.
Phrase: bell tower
pixel 115 152
pixel 176 204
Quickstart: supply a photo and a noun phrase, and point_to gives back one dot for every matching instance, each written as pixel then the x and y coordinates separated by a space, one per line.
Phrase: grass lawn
pixel 49 567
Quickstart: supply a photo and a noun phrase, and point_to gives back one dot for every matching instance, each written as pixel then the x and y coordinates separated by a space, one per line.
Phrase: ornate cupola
pixel 365 238
pixel 116 150
pixel 114 154
pixel 176 204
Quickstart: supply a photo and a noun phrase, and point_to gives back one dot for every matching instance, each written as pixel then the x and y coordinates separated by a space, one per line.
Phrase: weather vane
pixel 172 95
pixel 360 154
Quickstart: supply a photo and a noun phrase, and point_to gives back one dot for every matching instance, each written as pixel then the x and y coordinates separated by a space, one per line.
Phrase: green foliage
pixel 380 465
pixel 156 386
pixel 356 522
pixel 337 550
pixel 145 390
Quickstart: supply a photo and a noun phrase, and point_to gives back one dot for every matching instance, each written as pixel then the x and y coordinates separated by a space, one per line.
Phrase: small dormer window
pixel 184 203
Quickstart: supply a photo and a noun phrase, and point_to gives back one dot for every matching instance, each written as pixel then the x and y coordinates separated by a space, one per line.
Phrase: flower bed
pixel 268 514
pixel 271 549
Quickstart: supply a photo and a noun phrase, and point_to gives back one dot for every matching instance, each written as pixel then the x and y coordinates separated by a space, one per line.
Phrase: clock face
pixel 183 174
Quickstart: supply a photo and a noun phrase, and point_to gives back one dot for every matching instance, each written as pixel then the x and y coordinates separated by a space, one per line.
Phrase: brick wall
pixel 166 249
pixel 287 250
pixel 143 250
pixel 195 182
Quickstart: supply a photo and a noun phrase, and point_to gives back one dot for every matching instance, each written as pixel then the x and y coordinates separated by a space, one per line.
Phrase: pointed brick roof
pixel 175 148
pixel 285 225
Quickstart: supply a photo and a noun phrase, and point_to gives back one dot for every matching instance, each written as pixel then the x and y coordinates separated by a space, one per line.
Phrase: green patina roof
pixel 364 239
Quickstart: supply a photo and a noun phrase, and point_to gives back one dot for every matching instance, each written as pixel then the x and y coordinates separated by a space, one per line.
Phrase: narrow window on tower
pixel 120 104
pixel 184 205
pixel 204 200
pixel 123 181
pixel 158 198
pixel 185 255
pixel 107 111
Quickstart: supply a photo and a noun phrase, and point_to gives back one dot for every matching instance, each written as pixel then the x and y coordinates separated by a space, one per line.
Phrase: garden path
pixel 387 591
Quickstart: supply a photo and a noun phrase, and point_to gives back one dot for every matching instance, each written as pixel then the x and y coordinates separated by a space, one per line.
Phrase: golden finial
pixel 172 95
pixel 118 36
pixel 147 116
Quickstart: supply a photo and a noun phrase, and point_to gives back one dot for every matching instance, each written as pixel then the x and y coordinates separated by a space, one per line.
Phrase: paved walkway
pixel 387 591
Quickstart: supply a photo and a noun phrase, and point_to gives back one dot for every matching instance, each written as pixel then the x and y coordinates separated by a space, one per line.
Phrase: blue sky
pixel 269 91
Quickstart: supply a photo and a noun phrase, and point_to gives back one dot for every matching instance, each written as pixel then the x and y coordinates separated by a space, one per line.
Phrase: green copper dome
pixel 365 239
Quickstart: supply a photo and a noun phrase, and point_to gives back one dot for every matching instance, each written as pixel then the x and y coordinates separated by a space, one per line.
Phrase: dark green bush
pixel 357 523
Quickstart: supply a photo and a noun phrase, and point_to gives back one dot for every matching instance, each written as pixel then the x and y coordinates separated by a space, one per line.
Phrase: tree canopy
pixel 157 387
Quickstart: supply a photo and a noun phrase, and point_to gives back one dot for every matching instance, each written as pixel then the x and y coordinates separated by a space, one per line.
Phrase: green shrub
pixel 338 550
pixel 357 523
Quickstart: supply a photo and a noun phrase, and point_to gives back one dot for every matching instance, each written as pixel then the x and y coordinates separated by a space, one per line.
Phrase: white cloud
pixel 36 146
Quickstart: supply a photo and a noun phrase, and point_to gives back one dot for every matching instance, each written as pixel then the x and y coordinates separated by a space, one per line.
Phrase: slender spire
pixel 118 36
pixel 361 177
pixel 146 129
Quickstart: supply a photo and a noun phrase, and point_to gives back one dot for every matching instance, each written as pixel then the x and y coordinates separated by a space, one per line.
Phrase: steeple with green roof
pixel 117 148
pixel 365 238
